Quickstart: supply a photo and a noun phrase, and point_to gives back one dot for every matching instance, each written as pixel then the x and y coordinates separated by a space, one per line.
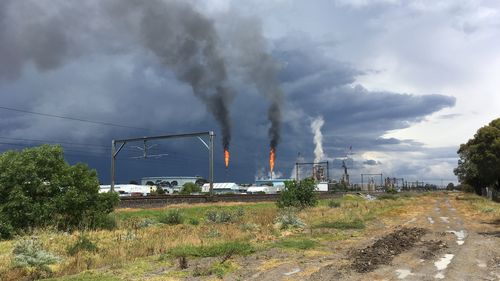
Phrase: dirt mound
pixel 385 248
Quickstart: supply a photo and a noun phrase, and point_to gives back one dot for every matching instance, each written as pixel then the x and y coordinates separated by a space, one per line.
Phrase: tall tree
pixel 479 163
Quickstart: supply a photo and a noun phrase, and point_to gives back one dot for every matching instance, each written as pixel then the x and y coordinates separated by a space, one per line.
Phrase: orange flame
pixel 226 157
pixel 271 159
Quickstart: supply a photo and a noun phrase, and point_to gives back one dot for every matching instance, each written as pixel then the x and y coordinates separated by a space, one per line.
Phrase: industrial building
pixel 223 187
pixel 173 181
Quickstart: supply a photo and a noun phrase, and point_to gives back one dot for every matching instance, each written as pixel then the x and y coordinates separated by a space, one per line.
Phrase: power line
pixel 73 118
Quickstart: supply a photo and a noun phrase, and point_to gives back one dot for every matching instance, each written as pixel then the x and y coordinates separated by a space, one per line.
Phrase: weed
pixel 172 217
pixel 29 253
pixel 353 224
pixel 82 244
pixel 297 243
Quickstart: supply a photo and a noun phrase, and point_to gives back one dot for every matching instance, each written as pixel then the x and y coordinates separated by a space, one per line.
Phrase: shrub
pixel 29 253
pixel 83 243
pixel 391 190
pixel 298 194
pixel 189 188
pixel 39 188
pixel 172 217
pixel 6 229
pixel 225 216
pixel 288 219
pixel 106 221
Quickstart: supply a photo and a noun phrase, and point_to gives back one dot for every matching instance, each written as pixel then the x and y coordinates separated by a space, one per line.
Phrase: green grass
pixel 387 197
pixel 297 243
pixel 216 250
pixel 197 212
pixel 354 224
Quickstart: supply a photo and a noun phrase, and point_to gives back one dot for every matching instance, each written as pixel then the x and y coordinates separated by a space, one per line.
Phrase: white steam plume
pixel 316 125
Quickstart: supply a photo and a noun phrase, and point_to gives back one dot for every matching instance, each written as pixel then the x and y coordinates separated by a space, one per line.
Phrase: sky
pixel 399 85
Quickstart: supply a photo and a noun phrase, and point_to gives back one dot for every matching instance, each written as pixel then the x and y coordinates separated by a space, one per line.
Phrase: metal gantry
pixel 199 135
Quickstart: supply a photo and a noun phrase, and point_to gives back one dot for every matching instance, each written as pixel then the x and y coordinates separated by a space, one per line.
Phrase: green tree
pixel 189 188
pixel 38 188
pixel 479 163
pixel 298 194
pixel 450 186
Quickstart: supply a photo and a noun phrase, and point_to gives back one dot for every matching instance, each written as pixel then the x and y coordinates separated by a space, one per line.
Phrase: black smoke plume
pixel 50 33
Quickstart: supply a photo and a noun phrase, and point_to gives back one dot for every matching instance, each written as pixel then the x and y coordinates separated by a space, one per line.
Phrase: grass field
pixel 144 246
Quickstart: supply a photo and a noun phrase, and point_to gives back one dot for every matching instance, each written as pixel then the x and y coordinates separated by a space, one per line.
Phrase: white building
pixel 128 189
pixel 222 187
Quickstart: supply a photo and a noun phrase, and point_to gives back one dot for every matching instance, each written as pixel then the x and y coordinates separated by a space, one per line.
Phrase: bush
pixel 6 229
pixel 106 221
pixel 391 190
pixel 288 219
pixel 172 217
pixel 39 188
pixel 82 244
pixel 189 188
pixel 29 253
pixel 298 194
pixel 224 216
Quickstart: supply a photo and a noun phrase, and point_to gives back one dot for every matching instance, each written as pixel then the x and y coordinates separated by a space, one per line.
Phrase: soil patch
pixel 432 248
pixel 385 249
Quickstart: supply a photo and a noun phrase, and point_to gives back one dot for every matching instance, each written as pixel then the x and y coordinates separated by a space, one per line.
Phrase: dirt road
pixel 437 240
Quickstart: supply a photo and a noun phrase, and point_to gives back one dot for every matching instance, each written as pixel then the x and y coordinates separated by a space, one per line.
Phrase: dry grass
pixel 131 244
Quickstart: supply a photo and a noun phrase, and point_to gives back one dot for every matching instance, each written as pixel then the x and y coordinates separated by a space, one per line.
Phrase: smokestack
pixel 316 125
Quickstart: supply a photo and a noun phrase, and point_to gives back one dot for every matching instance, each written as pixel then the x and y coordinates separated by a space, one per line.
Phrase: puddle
pixel 444 262
pixel 460 236
pixel 403 273
pixel 296 270
pixel 430 220
pixel 444 219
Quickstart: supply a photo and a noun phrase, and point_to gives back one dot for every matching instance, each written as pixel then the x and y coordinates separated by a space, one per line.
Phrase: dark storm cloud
pixel 49 33
pixel 130 78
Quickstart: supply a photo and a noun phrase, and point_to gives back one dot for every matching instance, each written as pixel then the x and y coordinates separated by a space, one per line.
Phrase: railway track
pixel 163 200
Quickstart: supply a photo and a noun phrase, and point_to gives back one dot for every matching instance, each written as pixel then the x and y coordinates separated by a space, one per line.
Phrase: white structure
pixel 263 188
pixel 222 187
pixel 128 189
pixel 322 186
